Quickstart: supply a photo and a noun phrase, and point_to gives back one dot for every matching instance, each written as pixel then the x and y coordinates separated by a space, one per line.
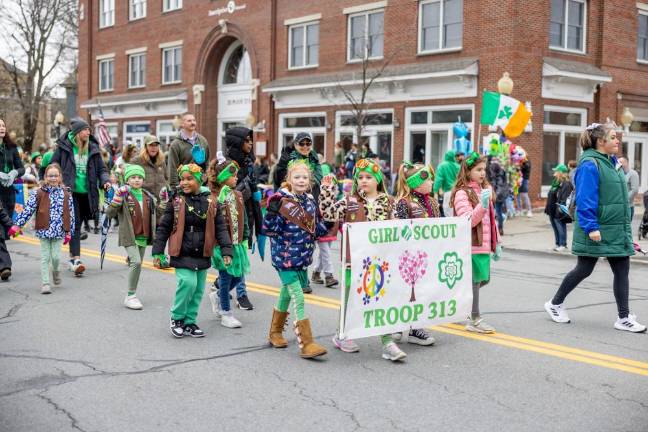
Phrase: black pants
pixel 8 199
pixel 81 214
pixel 5 258
pixel 620 267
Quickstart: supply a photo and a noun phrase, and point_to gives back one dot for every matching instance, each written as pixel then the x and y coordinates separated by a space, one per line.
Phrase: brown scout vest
pixel 43 210
pixel 351 217
pixel 175 240
pixel 141 222
pixel 240 208
pixel 294 213
pixel 417 210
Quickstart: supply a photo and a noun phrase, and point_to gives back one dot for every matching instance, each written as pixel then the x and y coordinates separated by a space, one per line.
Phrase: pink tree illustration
pixel 412 267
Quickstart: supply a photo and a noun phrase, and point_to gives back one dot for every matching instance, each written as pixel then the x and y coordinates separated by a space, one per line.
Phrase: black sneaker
pixel 83 236
pixel 177 328
pixel 243 302
pixel 193 330
pixel 307 289
pixel 5 274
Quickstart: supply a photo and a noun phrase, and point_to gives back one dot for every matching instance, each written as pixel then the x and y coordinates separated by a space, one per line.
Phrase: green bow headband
pixel 419 177
pixel 228 172
pixel 193 169
pixel 368 166
pixel 472 158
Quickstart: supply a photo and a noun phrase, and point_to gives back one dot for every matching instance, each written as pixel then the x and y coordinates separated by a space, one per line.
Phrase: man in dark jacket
pixel 238 147
pixel 84 171
pixel 300 148
pixel 187 147
pixel 11 168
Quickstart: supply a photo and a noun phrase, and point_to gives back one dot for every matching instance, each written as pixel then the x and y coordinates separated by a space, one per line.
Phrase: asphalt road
pixel 79 360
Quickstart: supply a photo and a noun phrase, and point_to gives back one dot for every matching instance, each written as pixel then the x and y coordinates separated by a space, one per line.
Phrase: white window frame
pixel 563 129
pixel 645 13
pixel 566 35
pixel 166 5
pixel 132 8
pixel 284 130
pixel 428 128
pixel 103 22
pixel 175 80
pixel 158 126
pixel 305 39
pixel 130 65
pixel 420 30
pixel 366 14
pixel 102 61
pixel 369 130
pixel 137 139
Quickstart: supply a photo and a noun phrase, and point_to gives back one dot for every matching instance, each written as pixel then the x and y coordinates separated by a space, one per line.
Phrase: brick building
pixel 284 66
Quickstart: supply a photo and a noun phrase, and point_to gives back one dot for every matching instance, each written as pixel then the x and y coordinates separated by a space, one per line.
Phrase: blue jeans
pixel 241 289
pixel 500 208
pixel 226 282
pixel 560 231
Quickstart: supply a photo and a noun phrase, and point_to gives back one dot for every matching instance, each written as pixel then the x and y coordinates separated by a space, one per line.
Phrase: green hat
pixel 132 170
pixel 34 156
pixel 561 168
pixel 368 166
pixel 418 177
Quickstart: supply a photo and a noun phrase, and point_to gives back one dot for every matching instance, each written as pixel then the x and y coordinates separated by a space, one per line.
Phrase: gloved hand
pixel 67 238
pixel 116 201
pixel 353 206
pixel 256 196
pixel 11 177
pixel 274 205
pixel 498 253
pixel 329 180
pixel 13 231
pixel 164 194
pixel 485 198
pixel 122 191
pixel 160 261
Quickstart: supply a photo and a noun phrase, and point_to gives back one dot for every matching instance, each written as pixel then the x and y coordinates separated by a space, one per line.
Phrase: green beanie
pixel 34 156
pixel 132 170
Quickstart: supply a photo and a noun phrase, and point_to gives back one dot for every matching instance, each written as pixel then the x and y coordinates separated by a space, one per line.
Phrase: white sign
pixel 406 273
pixel 230 9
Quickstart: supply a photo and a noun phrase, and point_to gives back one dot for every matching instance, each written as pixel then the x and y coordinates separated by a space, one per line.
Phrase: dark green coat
pixel 613 213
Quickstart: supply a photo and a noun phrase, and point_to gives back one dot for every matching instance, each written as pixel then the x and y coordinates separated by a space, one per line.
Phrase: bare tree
pixel 42 37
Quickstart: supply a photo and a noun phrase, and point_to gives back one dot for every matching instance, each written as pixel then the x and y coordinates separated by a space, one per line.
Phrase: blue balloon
pixel 462 145
pixel 460 129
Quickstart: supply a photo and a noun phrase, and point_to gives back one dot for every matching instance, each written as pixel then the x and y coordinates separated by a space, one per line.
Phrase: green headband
pixel 193 169
pixel 419 177
pixel 368 166
pixel 228 172
pixel 472 158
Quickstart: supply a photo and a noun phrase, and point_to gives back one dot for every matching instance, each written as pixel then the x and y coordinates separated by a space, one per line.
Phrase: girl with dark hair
pixel 11 167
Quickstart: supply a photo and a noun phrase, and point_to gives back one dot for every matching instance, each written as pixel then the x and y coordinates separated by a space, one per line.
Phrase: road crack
pixel 58 408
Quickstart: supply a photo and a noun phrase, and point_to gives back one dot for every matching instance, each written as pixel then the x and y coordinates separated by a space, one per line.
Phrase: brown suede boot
pixel 309 349
pixel 276 329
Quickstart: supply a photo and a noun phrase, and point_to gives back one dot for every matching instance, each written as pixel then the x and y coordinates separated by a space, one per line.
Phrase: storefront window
pixel 314 124
pixel 550 155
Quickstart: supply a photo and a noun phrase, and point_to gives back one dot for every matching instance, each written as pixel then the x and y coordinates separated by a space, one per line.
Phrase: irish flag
pixel 509 114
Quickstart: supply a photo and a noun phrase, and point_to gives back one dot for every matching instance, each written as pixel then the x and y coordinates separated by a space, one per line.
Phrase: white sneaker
pixel 557 312
pixel 629 324
pixel 132 302
pixel 560 249
pixel 479 326
pixel 228 320
pixel 215 303
pixel 529 213
pixel 77 267
pixel 392 352
pixel 45 289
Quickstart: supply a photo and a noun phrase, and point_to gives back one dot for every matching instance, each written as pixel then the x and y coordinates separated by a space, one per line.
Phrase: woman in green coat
pixel 601 224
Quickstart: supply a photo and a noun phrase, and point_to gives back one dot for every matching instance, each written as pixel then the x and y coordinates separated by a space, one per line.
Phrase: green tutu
pixel 240 261
pixel 481 267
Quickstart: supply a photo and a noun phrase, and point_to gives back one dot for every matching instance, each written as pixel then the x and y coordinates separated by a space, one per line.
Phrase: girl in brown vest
pixel 415 200
pixel 52 204
pixel 135 209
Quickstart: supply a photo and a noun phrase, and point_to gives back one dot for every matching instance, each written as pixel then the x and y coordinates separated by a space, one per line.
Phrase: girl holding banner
pixel 472 196
pixel 414 201
pixel 368 201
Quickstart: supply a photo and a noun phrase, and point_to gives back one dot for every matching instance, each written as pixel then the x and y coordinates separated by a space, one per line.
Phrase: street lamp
pixel 505 84
pixel 59 119
pixel 626 118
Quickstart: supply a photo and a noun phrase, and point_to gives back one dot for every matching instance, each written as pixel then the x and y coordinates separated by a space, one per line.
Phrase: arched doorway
pixel 234 89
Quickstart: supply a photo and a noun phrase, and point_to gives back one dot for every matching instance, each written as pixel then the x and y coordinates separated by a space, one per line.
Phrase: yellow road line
pixel 537 346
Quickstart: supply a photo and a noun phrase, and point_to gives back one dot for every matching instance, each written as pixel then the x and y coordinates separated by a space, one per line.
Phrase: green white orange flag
pixel 509 114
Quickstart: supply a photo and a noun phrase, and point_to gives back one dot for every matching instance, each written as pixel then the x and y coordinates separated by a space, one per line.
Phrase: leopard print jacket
pixel 333 210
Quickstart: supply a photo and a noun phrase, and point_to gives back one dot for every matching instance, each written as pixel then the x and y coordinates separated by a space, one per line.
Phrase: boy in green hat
pixel 135 209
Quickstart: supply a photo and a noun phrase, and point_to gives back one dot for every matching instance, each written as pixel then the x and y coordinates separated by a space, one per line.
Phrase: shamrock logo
pixel 450 269
pixel 505 112
pixel 406 232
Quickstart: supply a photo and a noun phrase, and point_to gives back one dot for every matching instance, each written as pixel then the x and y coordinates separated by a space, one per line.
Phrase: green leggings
pixel 291 289
pixel 189 292
pixel 135 255
pixel 384 339
pixel 50 251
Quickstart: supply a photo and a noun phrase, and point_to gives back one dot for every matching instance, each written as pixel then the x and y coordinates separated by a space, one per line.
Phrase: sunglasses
pixel 305 143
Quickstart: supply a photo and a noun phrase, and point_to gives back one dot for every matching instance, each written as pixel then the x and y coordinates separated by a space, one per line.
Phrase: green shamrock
pixel 450 269
pixel 505 112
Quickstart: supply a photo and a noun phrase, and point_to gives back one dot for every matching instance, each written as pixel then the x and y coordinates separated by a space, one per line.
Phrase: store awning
pixel 571 80
pixel 162 103
pixel 136 98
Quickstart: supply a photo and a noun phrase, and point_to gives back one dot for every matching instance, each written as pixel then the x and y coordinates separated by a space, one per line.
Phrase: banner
pixel 406 273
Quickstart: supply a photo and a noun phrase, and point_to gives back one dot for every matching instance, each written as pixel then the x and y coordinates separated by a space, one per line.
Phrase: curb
pixel 634 260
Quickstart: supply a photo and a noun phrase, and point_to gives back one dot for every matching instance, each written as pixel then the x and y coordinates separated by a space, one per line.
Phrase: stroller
pixel 643 226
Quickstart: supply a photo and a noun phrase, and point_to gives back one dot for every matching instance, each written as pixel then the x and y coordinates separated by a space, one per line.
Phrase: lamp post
pixel 626 119
pixel 59 119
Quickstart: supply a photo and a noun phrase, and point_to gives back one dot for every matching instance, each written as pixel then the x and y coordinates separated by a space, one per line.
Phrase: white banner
pixel 406 273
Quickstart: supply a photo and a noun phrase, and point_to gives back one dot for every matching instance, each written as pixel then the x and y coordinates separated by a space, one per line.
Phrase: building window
pixel 134 132
pixel 567 28
pixel 562 129
pixel 440 25
pixel 106 13
pixel 366 35
pixel 170 5
pixel 314 123
pixel 136 70
pixel 303 45
pixel 642 37
pixel 137 9
pixel 378 132
pixel 172 65
pixel 166 132
pixel 106 74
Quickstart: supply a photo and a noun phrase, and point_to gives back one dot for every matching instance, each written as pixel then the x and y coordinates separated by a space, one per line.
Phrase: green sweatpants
pixel 135 257
pixel 189 291
pixel 50 252
pixel 292 283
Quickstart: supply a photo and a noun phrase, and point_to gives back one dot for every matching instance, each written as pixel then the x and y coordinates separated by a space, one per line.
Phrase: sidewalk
pixel 535 235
